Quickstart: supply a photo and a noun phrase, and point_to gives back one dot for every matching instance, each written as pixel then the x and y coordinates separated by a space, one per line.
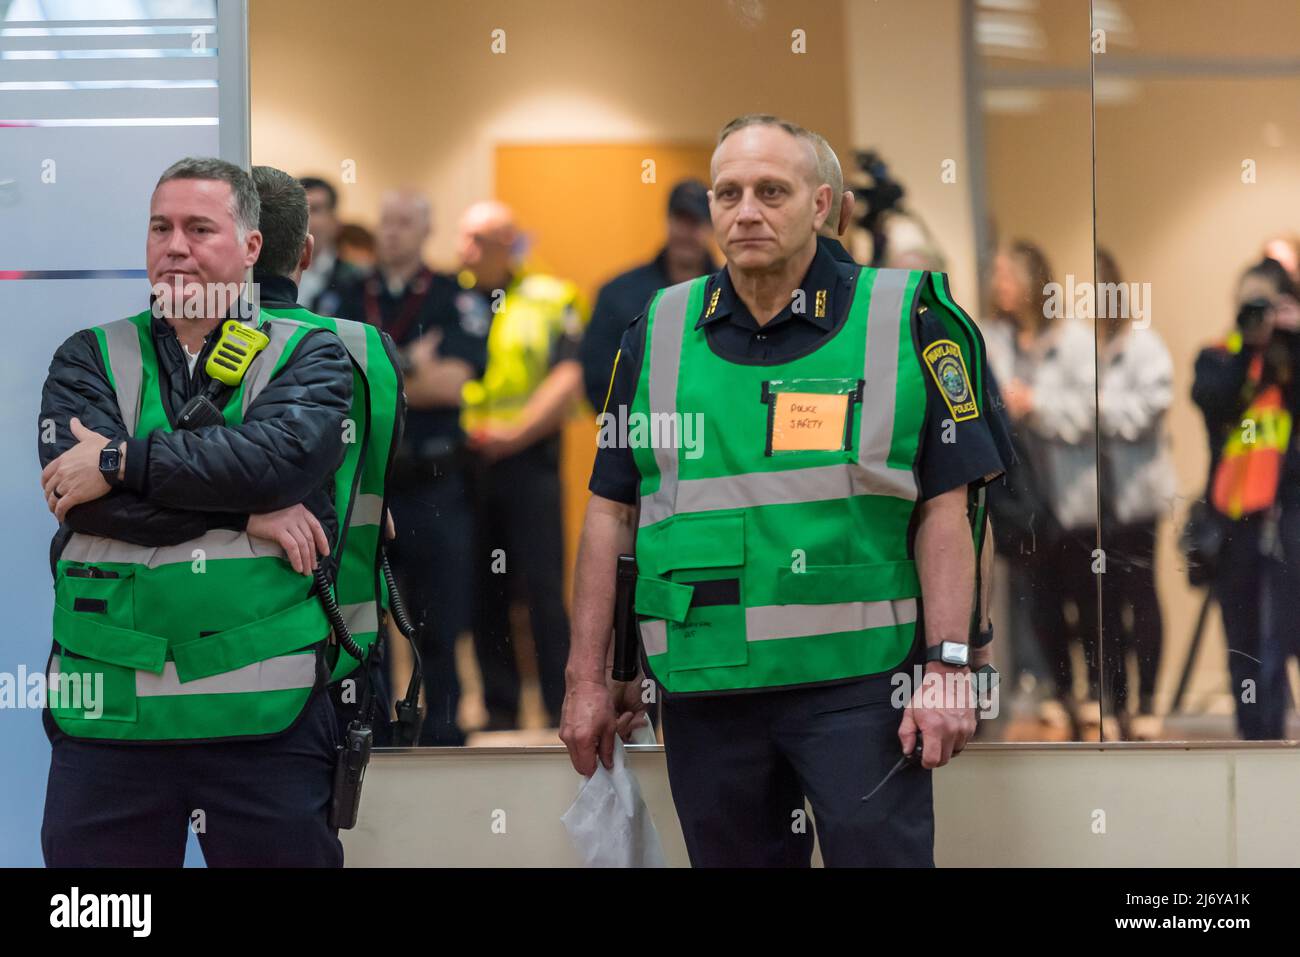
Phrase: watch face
pixel 109 460
pixel 954 653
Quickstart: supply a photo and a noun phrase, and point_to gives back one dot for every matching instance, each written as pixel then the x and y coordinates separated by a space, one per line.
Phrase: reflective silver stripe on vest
pixel 876 425
pixel 367 510
pixel 665 364
pixel 765 622
pixel 353 335
pixel 273 674
pixel 765 488
pixel 870 475
pixel 122 339
pixel 216 544
pixel 259 373
pixel 361 617
pixel 654 637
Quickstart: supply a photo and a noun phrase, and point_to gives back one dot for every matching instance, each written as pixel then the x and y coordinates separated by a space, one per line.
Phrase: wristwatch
pixel 110 460
pixel 955 653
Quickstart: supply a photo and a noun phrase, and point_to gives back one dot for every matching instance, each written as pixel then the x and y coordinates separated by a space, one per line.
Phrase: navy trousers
pixel 518 518
pixel 430 560
pixel 740 767
pixel 253 803
pixel 1258 591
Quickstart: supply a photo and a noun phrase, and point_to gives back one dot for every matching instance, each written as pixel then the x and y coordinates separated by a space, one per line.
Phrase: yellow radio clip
pixel 234 352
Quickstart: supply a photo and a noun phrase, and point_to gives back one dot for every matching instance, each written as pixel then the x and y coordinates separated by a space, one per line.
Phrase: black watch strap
pixel 935 652
pixel 110 461
pixel 982 638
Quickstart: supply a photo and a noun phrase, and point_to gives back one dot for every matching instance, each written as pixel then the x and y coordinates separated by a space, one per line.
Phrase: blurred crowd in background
pixel 497 357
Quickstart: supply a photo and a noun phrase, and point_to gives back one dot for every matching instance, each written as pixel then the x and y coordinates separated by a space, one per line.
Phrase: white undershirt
pixel 191 357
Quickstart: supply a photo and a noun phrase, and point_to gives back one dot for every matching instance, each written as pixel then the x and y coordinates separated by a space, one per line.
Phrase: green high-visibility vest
pixel 216 637
pixel 370 436
pixel 772 547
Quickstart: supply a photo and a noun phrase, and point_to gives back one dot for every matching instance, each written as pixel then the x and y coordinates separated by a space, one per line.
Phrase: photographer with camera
pixel 1245 387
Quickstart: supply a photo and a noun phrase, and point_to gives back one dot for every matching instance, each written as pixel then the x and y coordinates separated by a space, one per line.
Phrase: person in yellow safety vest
pixel 513 416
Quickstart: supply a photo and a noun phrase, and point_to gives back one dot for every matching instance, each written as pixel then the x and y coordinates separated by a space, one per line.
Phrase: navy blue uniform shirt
pixel 969 457
pixel 429 301
pixel 618 302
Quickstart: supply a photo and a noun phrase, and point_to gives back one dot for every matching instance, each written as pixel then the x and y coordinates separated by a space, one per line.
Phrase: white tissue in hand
pixel 609 823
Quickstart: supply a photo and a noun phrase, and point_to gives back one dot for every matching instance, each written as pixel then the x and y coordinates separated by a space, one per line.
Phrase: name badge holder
pixel 810 415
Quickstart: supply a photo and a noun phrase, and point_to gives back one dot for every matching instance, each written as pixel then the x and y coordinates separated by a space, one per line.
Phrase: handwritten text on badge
pixel 808 422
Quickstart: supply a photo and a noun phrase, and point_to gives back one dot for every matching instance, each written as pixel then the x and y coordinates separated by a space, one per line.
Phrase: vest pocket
pixel 84 689
pixel 105 595
pixel 830 584
pixel 705 625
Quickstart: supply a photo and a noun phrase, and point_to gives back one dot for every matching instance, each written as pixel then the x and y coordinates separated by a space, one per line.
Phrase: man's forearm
pixel 549 406
pixel 945 562
pixel 607 532
pixel 127 517
pixel 437 384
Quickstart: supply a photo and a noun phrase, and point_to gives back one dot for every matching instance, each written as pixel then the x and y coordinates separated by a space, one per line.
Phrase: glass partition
pixel 1198 173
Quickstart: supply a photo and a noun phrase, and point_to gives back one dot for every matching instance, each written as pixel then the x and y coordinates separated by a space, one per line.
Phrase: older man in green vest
pixel 777 452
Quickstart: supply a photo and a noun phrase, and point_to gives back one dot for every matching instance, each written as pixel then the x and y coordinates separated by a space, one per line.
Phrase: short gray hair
pixel 760 119
pixel 245 205
pixel 830 173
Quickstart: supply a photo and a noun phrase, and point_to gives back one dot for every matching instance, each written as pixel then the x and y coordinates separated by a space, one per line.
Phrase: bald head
pixel 808 161
pixel 490 218
pixel 405 224
pixel 487 241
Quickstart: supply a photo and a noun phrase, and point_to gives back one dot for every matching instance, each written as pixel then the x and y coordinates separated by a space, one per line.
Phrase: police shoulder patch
pixel 944 360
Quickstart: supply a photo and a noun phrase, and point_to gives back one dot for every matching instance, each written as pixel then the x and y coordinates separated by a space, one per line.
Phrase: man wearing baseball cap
pixel 684 256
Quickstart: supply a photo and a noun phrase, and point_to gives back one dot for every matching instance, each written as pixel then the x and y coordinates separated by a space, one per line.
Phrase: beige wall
pixel 417 96
pixel 1039 172
pixel 1038 147
pixel 994 807
pixel 908 100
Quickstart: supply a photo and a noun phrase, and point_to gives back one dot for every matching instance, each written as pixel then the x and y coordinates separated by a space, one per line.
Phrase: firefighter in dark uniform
pixel 790 563
pixel 442 335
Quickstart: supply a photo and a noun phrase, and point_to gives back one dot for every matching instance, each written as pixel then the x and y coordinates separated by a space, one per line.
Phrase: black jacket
pixel 619 301
pixel 179 485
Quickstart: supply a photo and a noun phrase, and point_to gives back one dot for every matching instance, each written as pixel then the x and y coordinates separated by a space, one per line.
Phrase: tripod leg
pixel 1197 635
